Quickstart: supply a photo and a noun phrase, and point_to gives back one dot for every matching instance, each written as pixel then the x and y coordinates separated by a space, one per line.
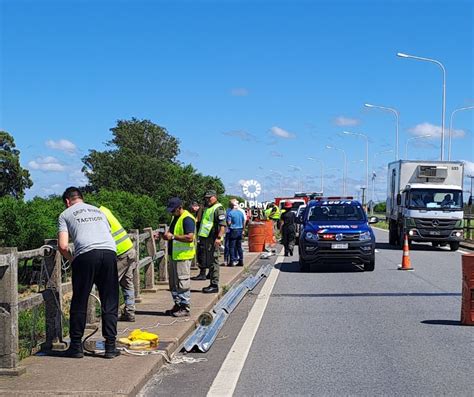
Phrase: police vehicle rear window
pixel 339 212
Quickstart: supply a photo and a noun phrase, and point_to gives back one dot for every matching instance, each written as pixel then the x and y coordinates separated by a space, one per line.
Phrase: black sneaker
pixel 73 351
pixel 212 289
pixel 174 309
pixel 110 350
pixel 182 312
pixel 127 317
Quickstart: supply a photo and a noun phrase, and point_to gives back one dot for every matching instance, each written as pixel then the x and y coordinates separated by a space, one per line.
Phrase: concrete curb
pixel 174 347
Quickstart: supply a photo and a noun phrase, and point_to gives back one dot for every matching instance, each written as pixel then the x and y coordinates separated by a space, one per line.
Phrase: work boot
pixel 110 350
pixel 212 289
pixel 200 276
pixel 128 317
pixel 73 351
pixel 184 311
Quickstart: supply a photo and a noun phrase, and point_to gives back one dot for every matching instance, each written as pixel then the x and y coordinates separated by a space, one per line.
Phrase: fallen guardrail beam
pixel 210 323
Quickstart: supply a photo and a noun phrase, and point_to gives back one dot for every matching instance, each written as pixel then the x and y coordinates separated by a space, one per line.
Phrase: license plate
pixel 435 233
pixel 340 246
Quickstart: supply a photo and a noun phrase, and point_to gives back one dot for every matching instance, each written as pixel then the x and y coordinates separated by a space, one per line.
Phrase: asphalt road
pixel 341 331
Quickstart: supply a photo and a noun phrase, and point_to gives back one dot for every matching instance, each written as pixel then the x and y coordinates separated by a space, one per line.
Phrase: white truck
pixel 424 201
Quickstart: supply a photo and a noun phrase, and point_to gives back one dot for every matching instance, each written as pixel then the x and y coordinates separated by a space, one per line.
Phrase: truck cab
pixel 425 202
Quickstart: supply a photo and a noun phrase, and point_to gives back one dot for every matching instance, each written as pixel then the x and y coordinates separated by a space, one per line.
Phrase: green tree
pixel 14 179
pixel 142 160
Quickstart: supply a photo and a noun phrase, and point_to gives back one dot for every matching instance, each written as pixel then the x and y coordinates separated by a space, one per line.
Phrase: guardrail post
pixel 52 296
pixel 9 312
pixel 136 273
pixel 150 268
pixel 163 266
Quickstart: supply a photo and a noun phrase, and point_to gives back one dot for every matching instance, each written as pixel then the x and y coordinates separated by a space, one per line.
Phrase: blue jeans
pixel 235 245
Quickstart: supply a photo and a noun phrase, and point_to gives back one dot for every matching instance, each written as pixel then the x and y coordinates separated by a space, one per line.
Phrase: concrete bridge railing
pixel 52 296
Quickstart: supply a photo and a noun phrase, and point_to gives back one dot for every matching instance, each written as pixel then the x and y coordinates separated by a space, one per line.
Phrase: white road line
pixel 226 380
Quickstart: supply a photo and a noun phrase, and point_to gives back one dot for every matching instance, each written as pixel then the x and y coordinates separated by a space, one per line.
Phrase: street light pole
pixel 345 167
pixel 366 155
pixel 397 117
pixel 451 127
pixel 322 172
pixel 410 139
pixel 374 176
pixel 443 115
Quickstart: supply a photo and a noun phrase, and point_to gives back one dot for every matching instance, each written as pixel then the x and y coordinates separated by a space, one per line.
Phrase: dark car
pixel 335 231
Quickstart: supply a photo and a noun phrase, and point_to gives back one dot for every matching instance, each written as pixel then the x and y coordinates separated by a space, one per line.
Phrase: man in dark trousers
pixel 94 262
pixel 288 229
pixel 211 232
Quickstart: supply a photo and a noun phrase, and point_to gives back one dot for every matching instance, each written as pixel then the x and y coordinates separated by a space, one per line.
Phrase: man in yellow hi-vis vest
pixel 181 252
pixel 126 264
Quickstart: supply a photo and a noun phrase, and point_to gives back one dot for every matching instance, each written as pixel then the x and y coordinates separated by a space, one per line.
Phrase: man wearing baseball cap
pixel 181 251
pixel 211 232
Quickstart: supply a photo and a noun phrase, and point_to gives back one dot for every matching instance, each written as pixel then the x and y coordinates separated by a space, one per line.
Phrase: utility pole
pixel 363 195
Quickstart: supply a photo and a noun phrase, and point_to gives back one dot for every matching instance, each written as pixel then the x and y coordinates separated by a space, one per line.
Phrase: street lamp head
pixel 402 55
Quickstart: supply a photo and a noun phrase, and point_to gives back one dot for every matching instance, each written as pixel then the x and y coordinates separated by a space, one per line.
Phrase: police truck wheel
pixel 304 266
pixel 369 267
pixel 454 245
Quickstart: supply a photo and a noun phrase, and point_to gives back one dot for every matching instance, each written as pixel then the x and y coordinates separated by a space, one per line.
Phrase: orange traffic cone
pixel 406 264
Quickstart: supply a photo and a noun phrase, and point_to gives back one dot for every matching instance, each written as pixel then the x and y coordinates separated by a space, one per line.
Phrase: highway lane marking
pixel 226 380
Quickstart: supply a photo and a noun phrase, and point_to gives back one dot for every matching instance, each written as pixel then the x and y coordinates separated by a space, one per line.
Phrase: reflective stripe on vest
pixel 183 251
pixel 276 215
pixel 207 221
pixel 122 242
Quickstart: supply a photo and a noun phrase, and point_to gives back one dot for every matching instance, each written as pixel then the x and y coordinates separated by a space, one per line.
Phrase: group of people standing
pixel 285 222
pixel 104 255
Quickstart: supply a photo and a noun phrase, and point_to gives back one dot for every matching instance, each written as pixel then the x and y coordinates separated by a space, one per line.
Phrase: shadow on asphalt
pixel 441 322
pixel 294 267
pixel 413 247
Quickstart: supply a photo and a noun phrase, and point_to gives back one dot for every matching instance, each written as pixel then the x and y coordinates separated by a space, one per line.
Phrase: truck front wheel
pixel 454 245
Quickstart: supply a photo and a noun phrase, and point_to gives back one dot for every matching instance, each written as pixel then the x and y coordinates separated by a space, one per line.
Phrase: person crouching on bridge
pixel 94 262
pixel 181 251
pixel 126 264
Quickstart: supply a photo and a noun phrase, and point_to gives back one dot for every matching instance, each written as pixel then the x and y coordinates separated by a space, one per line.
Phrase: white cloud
pixel 434 131
pixel 274 153
pixel 78 178
pixel 47 164
pixel 242 181
pixel 239 91
pixel 63 144
pixel 243 135
pixel 342 121
pixel 281 133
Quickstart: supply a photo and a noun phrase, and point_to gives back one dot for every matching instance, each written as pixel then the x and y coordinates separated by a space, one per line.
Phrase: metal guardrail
pixel 54 289
pixel 212 322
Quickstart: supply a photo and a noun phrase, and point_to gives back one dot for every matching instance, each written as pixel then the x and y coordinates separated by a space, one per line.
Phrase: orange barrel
pixel 269 238
pixel 257 233
pixel 467 305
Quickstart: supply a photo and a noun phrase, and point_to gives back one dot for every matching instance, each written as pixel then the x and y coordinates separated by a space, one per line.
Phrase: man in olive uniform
pixel 211 232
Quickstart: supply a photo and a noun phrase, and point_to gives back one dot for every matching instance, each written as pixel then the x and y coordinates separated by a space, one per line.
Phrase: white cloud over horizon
pixel 281 133
pixel 63 145
pixel 47 164
pixel 343 121
pixel 434 130
pixel 240 91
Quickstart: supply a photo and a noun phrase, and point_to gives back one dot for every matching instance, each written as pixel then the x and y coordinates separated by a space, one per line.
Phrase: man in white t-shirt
pixel 94 262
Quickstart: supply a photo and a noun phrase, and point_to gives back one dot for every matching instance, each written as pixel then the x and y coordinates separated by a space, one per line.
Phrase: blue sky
pixel 264 84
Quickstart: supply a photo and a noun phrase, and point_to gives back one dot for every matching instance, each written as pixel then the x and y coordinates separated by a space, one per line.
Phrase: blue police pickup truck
pixel 335 231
